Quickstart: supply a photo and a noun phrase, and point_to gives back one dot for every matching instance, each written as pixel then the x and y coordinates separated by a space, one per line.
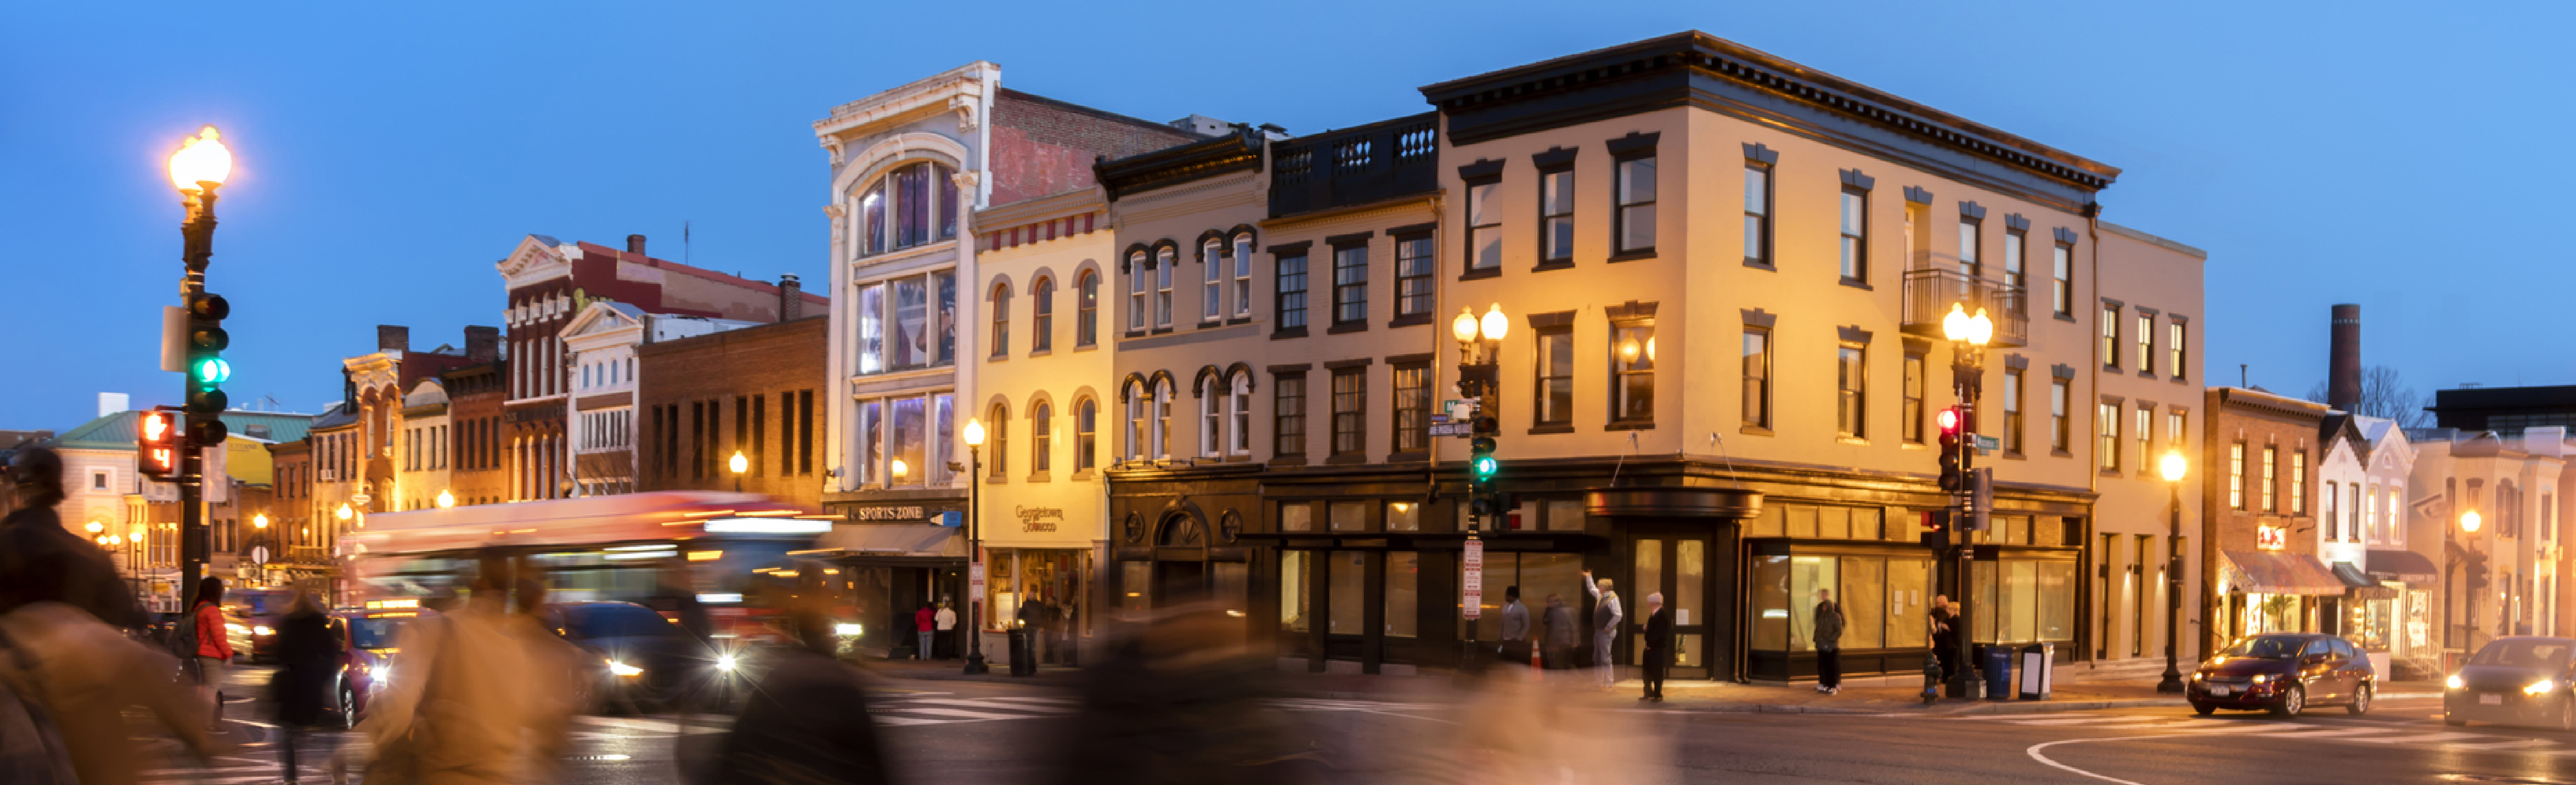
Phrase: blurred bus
pixel 726 551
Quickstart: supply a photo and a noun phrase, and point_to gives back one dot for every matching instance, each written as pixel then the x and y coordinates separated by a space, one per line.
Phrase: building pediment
pixel 962 90
pixel 537 258
pixel 602 317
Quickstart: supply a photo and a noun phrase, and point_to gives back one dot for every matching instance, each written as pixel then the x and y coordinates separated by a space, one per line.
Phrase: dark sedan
pixel 2517 681
pixel 645 660
pixel 2284 673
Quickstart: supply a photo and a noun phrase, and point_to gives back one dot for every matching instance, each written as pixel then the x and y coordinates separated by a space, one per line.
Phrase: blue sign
pixel 952 518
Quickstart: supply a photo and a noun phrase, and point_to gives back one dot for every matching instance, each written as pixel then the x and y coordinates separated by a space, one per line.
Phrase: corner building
pixel 1724 275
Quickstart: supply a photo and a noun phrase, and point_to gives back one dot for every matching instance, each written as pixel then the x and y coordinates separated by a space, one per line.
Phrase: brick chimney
pixel 635 244
pixel 393 338
pixel 482 344
pixel 791 298
pixel 2343 359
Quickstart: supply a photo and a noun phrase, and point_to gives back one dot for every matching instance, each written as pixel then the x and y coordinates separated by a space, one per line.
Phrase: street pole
pixel 198 247
pixel 975 556
pixel 2172 681
pixel 1963 553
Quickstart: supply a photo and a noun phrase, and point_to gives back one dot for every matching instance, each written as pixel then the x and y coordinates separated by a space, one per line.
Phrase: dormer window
pixel 911 205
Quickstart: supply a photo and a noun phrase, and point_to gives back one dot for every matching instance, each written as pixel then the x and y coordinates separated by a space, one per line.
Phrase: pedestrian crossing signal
pixel 156 437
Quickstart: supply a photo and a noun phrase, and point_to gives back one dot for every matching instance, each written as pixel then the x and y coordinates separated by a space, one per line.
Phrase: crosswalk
pixel 2323 730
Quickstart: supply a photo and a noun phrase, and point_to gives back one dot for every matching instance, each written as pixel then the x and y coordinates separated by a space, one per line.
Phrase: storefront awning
pixel 2269 572
pixel 2359 586
pixel 2407 566
pixel 888 541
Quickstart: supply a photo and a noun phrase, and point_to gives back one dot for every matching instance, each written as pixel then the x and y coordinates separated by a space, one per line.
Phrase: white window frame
pixel 1239 403
pixel 1164 260
pixel 1136 274
pixel 1243 276
pixel 1211 418
pixel 1212 281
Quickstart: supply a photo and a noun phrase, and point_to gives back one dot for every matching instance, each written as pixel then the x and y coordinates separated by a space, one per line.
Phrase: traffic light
pixel 1949 420
pixel 157 444
pixel 207 369
pixel 1481 464
pixel 1981 499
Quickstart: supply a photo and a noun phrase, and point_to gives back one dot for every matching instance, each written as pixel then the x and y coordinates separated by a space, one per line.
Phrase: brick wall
pixel 763 376
pixel 1043 147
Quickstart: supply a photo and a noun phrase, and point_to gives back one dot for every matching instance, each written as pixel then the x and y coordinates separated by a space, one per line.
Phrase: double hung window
pixel 1164 260
pixel 1556 216
pixel 1242 276
pixel 1212 269
pixel 1555 398
pixel 1292 291
pixel 1288 413
pixel 1632 372
pixel 907 322
pixel 1350 411
pixel 1086 303
pixel 1855 234
pixel 1413 294
pixel 1757 377
pixel 1484 227
pixel 1412 413
pixel 1042 316
pixel 1350 284
pixel 1635 229
pixel 1757 214
pixel 1851 382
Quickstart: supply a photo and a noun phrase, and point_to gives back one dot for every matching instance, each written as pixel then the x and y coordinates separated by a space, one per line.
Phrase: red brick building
pixel 474 402
pixel 754 390
pixel 2259 513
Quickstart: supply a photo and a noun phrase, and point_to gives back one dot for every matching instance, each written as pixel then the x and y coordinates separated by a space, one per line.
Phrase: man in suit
pixel 1659 646
pixel 1516 627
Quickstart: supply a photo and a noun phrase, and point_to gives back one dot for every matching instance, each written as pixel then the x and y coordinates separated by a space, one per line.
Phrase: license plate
pixel 2221 690
pixel 2491 699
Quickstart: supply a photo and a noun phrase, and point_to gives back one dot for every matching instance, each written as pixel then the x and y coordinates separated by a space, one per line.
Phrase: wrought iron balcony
pixel 1355 166
pixel 1929 292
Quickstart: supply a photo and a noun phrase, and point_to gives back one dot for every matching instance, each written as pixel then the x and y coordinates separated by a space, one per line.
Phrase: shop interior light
pixel 719 597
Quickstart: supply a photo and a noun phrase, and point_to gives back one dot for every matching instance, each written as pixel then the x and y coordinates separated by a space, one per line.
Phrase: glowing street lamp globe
pixel 1496 324
pixel 201 159
pixel 738 463
pixel 2173 466
pixel 2469 521
pixel 974 433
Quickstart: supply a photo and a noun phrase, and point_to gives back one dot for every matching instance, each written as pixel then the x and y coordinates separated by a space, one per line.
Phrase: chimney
pixel 2343 359
pixel 482 344
pixel 114 403
pixel 393 338
pixel 635 244
pixel 791 298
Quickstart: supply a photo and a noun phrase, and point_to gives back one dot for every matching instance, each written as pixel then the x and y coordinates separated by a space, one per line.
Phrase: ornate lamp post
pixel 974 546
pixel 197 170
pixel 1968 337
pixel 2173 467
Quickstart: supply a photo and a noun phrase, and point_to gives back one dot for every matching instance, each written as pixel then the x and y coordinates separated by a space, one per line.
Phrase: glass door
pixel 1676 567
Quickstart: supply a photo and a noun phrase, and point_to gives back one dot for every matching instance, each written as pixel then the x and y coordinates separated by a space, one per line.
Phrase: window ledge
pixel 1085 347
pixel 1911 446
pixel 1346 459
pixel 997 358
pixel 1287 460
pixel 2066 318
pixel 1858 284
pixel 1566 264
pixel 1346 327
pixel 1241 457
pixel 1409 321
pixel 1041 352
pixel 1208 323
pixel 1084 474
pixel 1489 272
pixel 1247 319
pixel 1760 265
pixel 1164 330
pixel 1542 429
pixel 1132 334
pixel 2113 473
pixel 1630 256
pixel 1292 332
pixel 2111 369
pixel 1037 477
pixel 2180 380
pixel 1851 440
pixel 1629 425
pixel 2060 454
pixel 1411 456
pixel 997 480
pixel 2014 456
pixel 2146 374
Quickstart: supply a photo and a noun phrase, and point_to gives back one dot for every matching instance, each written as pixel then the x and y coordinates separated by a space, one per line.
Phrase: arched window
pixel 1163 419
pixel 1164 261
pixel 1243 275
pixel 1212 276
pixel 1211 417
pixel 1136 275
pixel 997 424
pixel 1001 319
pixel 1042 315
pixel 1086 321
pixel 1041 437
pixel 910 205
pixel 1086 435
pixel 1137 429
pixel 1239 440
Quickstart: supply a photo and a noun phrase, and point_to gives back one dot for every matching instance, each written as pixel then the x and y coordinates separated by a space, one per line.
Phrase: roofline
pixel 2150 239
pixel 1239 151
pixel 1101 114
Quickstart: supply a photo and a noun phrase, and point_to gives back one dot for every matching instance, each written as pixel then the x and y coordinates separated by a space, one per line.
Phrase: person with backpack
pixel 212 652
pixel 66 679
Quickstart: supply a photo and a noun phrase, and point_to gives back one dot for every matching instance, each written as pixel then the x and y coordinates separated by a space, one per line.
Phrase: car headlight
pixel 262 630
pixel 380 674
pixel 848 630
pixel 2454 683
pixel 2541 687
pixel 724 662
pixel 2198 676
pixel 235 627
pixel 2260 678
pixel 623 669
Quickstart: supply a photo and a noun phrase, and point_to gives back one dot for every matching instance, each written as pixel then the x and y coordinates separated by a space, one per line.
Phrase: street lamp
pixel 1968 338
pixel 2469 521
pixel 95 527
pixel 197 170
pixel 739 465
pixel 2173 467
pixel 445 499
pixel 974 547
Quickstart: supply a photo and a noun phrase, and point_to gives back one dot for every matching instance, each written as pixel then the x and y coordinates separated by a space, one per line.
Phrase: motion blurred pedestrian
pixel 90 580
pixel 1659 646
pixel 465 698
pixel 555 668
pixel 925 622
pixel 1945 635
pixel 807 722
pixel 1829 643
pixel 84 672
pixel 214 652
pixel 1605 627
pixel 1516 628
pixel 1557 653
pixel 1182 699
pixel 308 656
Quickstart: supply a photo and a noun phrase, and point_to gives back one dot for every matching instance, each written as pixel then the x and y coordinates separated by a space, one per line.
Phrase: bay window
pixel 913 204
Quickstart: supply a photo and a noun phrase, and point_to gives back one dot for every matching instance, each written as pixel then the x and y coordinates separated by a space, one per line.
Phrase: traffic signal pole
pixel 198 234
pixel 1967 378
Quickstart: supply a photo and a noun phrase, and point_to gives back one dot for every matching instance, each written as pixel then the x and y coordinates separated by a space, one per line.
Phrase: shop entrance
pixel 1674 561
pixel 1179 583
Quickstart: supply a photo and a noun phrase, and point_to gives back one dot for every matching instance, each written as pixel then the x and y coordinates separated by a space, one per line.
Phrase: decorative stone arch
pixel 1218 236
pixel 896 150
pixel 1160 378
pixel 1134 384
pixel 1243 371
pixel 1045 273
pixel 1138 256
pixel 1038 398
pixel 1199 381
pixel 1154 258
pixel 1073 281
pixel 1180 524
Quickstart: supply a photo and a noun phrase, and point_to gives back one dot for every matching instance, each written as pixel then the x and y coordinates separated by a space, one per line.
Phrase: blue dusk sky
pixel 2381 154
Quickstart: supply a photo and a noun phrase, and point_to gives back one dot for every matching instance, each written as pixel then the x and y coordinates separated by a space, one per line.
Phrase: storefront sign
pixel 2271 538
pixel 1475 561
pixel 910 513
pixel 1039 519
pixel 975 582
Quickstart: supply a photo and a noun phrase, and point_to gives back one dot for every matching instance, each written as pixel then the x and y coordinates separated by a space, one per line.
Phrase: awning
pixel 2407 566
pixel 888 541
pixel 2269 572
pixel 2359 586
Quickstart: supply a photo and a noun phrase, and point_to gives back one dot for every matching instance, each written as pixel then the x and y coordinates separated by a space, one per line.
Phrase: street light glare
pixel 445 499
pixel 974 432
pixel 1463 328
pixel 1954 325
pixel 2173 466
pixel 739 464
pixel 345 512
pixel 259 521
pixel 2469 521
pixel 201 159
pixel 1980 328
pixel 1496 324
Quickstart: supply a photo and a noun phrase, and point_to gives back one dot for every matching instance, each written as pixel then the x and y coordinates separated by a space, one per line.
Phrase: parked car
pixel 2519 681
pixel 2284 673
pixel 645 660
pixel 368 639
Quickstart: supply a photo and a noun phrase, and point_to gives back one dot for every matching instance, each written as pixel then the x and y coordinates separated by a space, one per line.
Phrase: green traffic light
pixel 1485 465
pixel 213 370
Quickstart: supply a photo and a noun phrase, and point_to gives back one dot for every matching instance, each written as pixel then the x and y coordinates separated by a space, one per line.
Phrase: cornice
pixel 959 89
pixel 1236 152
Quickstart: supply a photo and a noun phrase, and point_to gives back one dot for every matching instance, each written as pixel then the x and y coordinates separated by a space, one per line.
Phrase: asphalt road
pixel 961 733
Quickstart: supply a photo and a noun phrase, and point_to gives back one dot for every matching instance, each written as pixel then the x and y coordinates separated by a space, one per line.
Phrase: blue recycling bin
pixel 1997 661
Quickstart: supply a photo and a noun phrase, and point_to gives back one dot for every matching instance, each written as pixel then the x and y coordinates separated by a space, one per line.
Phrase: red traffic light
pixel 1949 420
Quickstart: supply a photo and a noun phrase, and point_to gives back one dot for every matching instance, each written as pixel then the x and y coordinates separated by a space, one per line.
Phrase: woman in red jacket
pixel 214 643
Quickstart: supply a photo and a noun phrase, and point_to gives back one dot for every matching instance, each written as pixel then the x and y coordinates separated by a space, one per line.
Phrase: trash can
pixel 2038 670
pixel 1024 654
pixel 1997 662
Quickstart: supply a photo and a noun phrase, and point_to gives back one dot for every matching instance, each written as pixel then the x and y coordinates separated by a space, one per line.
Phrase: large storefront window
pixel 1545 579
pixel 2032 601
pixel 1885 600
pixel 918 430
pixel 1043 582
pixel 1403 600
pixel 908 322
pixel 1346 577
pixel 1293 600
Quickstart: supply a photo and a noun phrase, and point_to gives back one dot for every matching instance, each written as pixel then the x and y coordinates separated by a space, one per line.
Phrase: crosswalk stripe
pixel 974 715
pixel 986 704
pixel 888 719
pixel 2327 733
pixel 2500 745
pixel 2428 738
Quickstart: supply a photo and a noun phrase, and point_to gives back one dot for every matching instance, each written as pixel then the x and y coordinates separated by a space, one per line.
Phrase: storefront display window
pixel 1296 517
pixel 1403 585
pixel 1050 578
pixel 2368 623
pixel 1539 575
pixel 1809 521
pixel 1403 516
pixel 1346 577
pixel 1349 516
pixel 1293 600
pixel 2034 601
pixel 1806 575
pixel 1770 588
